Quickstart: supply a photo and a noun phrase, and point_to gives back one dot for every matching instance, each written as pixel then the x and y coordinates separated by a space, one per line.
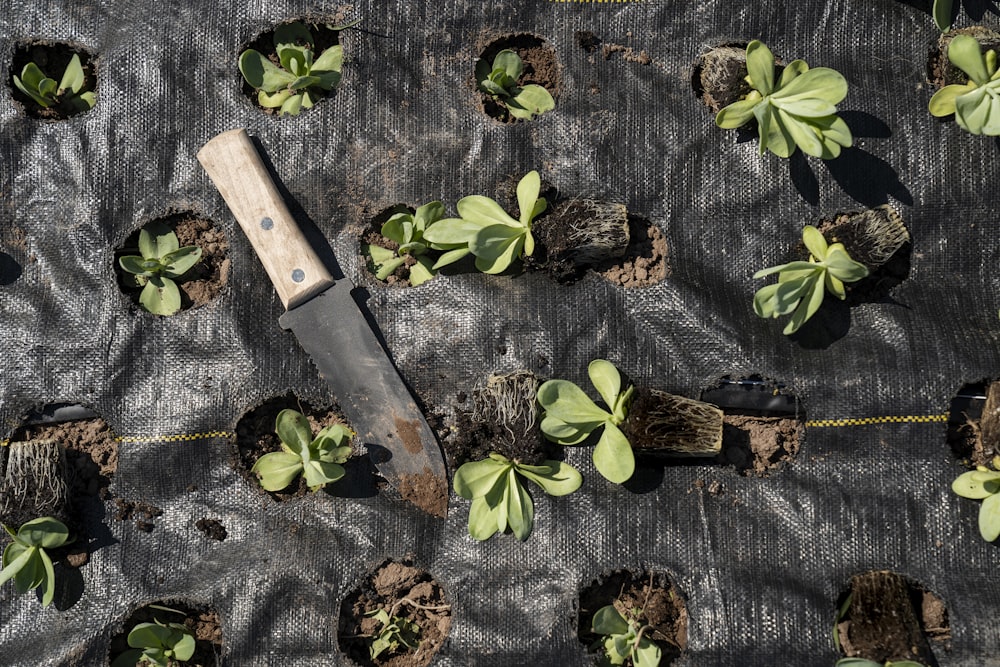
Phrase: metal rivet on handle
pixel 298 275
pixel 266 223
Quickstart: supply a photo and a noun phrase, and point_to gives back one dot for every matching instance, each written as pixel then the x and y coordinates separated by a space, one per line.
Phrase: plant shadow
pixel 10 269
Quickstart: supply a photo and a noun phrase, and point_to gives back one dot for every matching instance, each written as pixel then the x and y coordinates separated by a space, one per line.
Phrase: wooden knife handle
pixel 233 164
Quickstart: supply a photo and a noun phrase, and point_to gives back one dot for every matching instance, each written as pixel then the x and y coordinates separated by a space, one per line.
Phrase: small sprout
pixel 317 458
pixel 570 417
pixel 160 644
pixel 69 94
pixel 407 229
pixel 395 632
pixel 623 640
pixel 498 498
pixel 162 261
pixel 802 285
pixel 983 484
pixel 500 83
pixel 301 80
pixel 976 104
pixel 861 662
pixel 25 559
pixel 484 229
pixel 796 110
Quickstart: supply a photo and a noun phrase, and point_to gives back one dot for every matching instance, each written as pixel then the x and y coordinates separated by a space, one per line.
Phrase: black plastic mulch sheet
pixel 761 564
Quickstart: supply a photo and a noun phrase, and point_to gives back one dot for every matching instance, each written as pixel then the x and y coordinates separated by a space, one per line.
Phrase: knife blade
pixel 330 326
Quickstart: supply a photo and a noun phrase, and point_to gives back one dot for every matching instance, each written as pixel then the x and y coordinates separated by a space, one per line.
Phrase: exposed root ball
pixel 34 481
pixel 508 401
pixel 659 422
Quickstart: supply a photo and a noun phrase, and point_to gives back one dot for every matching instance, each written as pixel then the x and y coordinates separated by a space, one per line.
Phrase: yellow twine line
pixel 180 437
pixel 867 421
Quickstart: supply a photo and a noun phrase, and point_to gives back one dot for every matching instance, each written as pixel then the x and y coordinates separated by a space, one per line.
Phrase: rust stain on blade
pixel 409 433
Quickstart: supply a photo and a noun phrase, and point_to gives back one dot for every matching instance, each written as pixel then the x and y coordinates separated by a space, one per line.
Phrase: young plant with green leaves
pixel 976 103
pixel 318 459
pixel 394 632
pixel 796 109
pixel 623 640
pixel 484 229
pixel 26 561
pixel 983 484
pixel 571 416
pixel 802 285
pixel 160 264
pixel 407 230
pixel 862 662
pixel 500 500
pixel 499 81
pixel 69 95
pixel 302 78
pixel 159 644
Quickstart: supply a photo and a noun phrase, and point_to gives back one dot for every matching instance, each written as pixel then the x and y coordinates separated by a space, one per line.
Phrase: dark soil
pixel 645 260
pixel 201 620
pixel 91 454
pixel 212 528
pixel 403 591
pixel 974 424
pixel 482 430
pixel 323 38
pixel 891 618
pixel 659 604
pixel 206 279
pixel 541 67
pixel 940 71
pixel 52 59
pixel 877 238
pixel 669 425
pixel 719 76
pixel 142 513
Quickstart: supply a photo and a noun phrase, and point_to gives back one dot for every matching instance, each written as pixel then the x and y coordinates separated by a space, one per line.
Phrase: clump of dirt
pixel 974 423
pixel 645 260
pixel 142 513
pixel 648 599
pixel 757 445
pixel 403 591
pixel 212 528
pixel 256 436
pixel 203 622
pixel 719 76
pixel 541 67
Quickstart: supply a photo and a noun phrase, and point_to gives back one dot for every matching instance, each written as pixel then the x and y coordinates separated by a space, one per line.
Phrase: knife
pixel 330 326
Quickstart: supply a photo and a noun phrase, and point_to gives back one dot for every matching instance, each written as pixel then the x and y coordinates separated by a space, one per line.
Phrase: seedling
pixel 500 83
pixel 484 229
pixel 160 644
pixel 499 500
pixel 161 263
pixel 570 417
pixel 25 559
pixel 861 662
pixel 317 458
pixel 802 285
pixel 983 484
pixel 69 95
pixel 302 79
pixel 799 109
pixel 395 632
pixel 976 104
pixel 623 640
pixel 407 229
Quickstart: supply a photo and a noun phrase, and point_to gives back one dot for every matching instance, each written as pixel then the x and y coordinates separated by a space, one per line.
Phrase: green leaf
pixel 613 455
pixel 560 479
pixel 157 240
pixel 73 77
pixel 428 214
pixel 45 532
pixel 160 296
pixel 388 267
pixel 277 470
pixel 32 574
pixel 292 33
pixel 820 83
pixel 399 228
pixel 943 101
pixel 83 101
pixel 497 247
pixel 810 303
pixel 972 484
pixel 184 647
pixel 527 196
pixel 792 71
pixel 180 261
pixel 293 429
pixel 528 101
pixel 421 272
pixel 804 136
pixel 942 14
pixel 787 268
pixel 330 60
pixel 15 558
pixel 476 478
pixel 321 473
pixel 563 433
pixel 606 379
pixel 566 402
pixel 773 135
pixel 450 257
pixel 764 303
pixel 510 63
pixel 293 105
pixel 520 510
pixel 482 519
pixel 31 92
pixel 262 74
pixel 840 264
pixel 646 654
pixel 483 211
pixel 760 67
pixel 857 662
pixel 608 621
pixel 736 114
pixel 49 578
pixel 273 100
pixel 965 53
pixel 989 518
pixel 453 231
pixel 978 112
pixel 789 293
pixel 814 242
pixel 128 659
